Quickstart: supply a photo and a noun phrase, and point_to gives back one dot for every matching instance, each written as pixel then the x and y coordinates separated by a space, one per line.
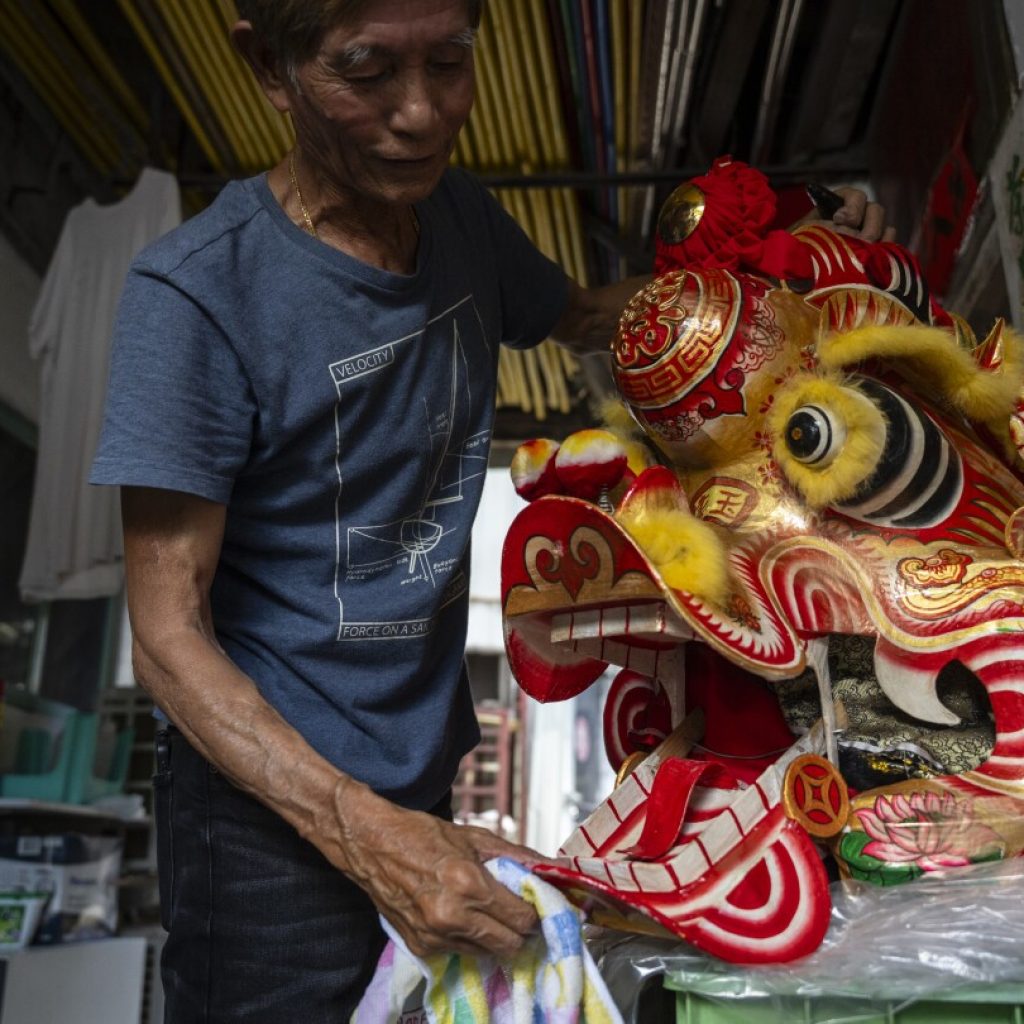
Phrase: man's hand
pixel 426 876
pixel 857 216
pixel 591 315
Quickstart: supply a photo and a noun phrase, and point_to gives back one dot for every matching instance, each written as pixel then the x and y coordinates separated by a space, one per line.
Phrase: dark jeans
pixel 262 928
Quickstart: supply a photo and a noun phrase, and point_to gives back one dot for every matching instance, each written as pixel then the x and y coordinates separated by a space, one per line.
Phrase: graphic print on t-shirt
pixel 387 565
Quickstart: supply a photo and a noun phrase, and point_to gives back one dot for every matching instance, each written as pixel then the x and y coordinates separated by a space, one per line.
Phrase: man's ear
pixel 263 65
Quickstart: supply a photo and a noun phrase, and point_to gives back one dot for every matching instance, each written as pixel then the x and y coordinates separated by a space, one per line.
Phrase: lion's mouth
pixel 882 744
pixel 749 720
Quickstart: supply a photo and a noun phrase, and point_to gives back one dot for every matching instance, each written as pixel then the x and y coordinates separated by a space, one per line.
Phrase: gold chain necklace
pixel 298 194
pixel 305 213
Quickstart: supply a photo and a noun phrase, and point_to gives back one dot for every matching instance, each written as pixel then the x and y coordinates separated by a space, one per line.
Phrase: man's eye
pixel 448 66
pixel 364 78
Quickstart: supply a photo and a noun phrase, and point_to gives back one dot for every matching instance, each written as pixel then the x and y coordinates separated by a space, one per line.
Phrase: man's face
pixel 379 107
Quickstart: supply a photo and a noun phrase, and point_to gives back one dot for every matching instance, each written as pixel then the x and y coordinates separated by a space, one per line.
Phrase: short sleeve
pixel 180 410
pixel 534 289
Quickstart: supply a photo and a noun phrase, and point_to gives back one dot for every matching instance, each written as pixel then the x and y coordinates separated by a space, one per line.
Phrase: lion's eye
pixel 813 436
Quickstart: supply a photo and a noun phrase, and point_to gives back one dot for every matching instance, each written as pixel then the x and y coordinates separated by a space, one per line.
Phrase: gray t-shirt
pixel 343 414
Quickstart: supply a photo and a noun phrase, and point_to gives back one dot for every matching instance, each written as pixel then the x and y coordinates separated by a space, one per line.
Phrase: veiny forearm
pixel 224 717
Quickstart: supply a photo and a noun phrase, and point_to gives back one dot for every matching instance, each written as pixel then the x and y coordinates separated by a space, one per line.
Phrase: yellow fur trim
pixel 638 456
pixel 938 361
pixel 619 421
pixel 686 551
pixel 859 451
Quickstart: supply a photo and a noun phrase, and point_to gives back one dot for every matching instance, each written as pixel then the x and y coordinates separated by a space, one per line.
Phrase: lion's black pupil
pixel 804 436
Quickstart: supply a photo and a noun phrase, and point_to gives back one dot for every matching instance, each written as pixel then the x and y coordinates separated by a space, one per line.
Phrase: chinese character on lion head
pixel 816 501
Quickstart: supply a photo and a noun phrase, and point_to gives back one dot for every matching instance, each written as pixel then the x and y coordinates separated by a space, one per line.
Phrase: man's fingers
pixel 874 222
pixel 496 936
pixel 488 845
pixel 469 906
pixel 860 217
pixel 889 235
pixel 496 923
pixel 524 855
pixel 851 213
pixel 483 936
pixel 519 915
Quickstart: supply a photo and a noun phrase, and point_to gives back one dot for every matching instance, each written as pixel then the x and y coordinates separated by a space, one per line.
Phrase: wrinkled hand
pixel 858 216
pixel 426 876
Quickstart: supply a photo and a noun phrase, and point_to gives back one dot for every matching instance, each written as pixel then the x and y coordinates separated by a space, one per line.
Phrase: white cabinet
pixel 78 983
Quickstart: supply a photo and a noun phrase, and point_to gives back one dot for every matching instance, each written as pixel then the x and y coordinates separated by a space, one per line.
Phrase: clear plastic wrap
pixel 947 935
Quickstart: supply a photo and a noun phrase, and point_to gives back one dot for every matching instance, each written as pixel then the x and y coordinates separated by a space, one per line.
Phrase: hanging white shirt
pixel 74 547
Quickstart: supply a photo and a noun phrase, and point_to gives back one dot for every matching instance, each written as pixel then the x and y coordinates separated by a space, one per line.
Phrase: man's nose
pixel 416 110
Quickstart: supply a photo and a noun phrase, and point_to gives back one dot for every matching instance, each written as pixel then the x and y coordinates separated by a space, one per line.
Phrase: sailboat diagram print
pixel 421 548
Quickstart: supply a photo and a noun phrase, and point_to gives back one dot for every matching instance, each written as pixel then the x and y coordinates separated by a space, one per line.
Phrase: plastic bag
pixel 890 947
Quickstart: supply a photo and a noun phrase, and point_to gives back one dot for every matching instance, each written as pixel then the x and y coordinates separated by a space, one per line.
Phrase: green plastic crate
pixel 43 752
pixel 54 762
pixel 968 1005
pixel 83 786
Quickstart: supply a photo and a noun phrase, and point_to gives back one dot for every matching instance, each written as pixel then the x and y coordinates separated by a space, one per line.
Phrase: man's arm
pixel 423 874
pixel 591 315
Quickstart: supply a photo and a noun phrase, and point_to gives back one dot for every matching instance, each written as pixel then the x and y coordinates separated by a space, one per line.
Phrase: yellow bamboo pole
pixel 531 65
pixel 532 392
pixel 278 125
pixel 135 19
pixel 533 376
pixel 523 145
pixel 620 68
pixel 570 365
pixel 549 76
pixel 471 145
pixel 210 45
pixel 104 66
pixel 80 87
pixel 504 378
pixel 207 74
pixel 567 214
pixel 481 118
pixel 553 373
pixel 636 50
pixel 37 60
pixel 549 241
pixel 544 232
pixel 636 45
pixel 549 379
pixel 522 388
pixel 495 120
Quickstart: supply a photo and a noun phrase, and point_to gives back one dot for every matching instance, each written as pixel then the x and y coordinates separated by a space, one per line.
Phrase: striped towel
pixel 551 980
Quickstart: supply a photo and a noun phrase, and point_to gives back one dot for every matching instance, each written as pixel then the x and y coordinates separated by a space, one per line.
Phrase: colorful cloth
pixel 551 980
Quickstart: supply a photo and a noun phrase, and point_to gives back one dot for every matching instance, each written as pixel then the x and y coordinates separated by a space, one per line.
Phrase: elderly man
pixel 299 416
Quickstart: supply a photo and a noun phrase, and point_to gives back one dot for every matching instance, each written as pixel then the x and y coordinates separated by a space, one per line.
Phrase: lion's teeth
pixel 912 690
